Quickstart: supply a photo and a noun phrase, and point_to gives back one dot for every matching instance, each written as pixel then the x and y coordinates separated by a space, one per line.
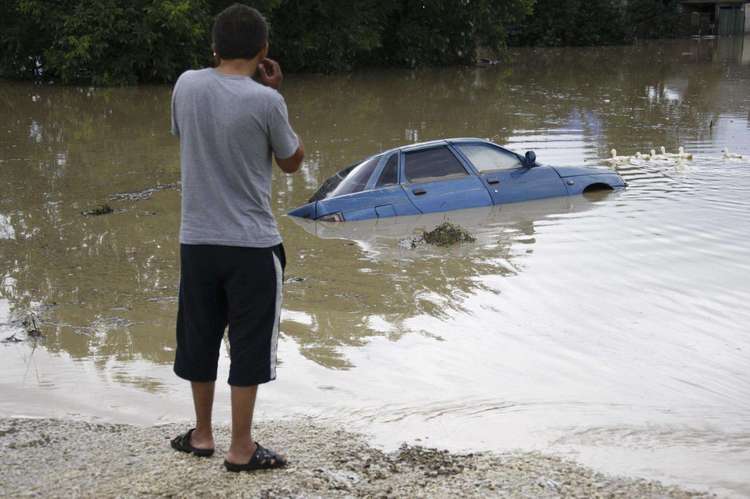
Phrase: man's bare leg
pixel 243 446
pixel 203 399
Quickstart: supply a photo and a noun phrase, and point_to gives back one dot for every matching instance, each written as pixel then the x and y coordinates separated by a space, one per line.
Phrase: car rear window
pixel 357 179
pixel 428 165
pixel 390 172
pixel 487 158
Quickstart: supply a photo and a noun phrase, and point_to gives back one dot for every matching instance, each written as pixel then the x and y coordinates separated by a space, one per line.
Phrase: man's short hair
pixel 239 32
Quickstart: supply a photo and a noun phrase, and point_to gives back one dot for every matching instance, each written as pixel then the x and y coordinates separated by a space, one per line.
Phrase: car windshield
pixel 357 178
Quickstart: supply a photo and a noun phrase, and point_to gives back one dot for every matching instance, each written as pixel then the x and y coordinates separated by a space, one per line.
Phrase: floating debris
pixel 484 62
pixel 32 327
pixel 101 326
pixel 144 194
pixel 445 234
pixel 294 279
pixel 104 209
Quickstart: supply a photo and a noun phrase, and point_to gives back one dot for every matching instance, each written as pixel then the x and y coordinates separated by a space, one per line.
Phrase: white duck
pixel 615 159
pixel 685 155
pixel 645 157
pixel 681 154
pixel 653 156
pixel 731 155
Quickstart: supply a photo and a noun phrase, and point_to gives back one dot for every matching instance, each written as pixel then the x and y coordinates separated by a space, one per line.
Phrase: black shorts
pixel 234 286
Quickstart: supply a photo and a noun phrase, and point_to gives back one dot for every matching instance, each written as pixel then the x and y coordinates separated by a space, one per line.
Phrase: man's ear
pixel 217 59
pixel 264 52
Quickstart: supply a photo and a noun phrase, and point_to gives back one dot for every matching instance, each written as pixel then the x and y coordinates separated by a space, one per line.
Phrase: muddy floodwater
pixel 614 331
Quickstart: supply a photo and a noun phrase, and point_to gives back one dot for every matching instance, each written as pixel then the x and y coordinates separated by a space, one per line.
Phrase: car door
pixel 435 180
pixel 392 199
pixel 507 178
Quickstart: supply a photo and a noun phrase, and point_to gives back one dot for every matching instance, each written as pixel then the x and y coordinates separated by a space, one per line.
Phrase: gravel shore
pixel 58 458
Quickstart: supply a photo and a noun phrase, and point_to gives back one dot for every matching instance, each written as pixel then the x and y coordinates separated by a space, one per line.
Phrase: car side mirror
pixel 530 159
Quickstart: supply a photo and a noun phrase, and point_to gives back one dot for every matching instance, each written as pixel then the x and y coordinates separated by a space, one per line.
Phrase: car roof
pixel 432 143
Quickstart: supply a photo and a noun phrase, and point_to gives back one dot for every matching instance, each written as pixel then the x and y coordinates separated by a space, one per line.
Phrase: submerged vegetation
pixel 115 42
pixel 445 234
pixel 104 209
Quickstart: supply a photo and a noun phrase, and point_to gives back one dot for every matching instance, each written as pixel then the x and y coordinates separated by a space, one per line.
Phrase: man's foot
pixel 241 454
pixel 261 459
pixel 201 447
pixel 202 440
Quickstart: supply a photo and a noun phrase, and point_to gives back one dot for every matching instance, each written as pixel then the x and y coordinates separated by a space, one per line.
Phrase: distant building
pixel 722 17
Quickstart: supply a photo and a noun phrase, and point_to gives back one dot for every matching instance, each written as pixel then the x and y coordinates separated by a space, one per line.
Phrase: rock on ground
pixel 58 458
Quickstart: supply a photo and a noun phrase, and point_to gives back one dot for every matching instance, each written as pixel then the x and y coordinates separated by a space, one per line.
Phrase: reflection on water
pixel 611 330
pixel 390 282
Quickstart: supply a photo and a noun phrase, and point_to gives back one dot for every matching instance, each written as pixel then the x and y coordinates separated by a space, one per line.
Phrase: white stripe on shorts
pixel 275 336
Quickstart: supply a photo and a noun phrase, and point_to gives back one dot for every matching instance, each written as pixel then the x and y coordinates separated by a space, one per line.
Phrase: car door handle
pixel 418 192
pixel 493 181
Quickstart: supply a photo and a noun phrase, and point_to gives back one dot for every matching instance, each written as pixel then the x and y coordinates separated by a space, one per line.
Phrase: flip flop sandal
pixel 263 459
pixel 182 444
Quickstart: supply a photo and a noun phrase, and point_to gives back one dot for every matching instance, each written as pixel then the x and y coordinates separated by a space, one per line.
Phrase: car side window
pixel 428 165
pixel 390 172
pixel 357 179
pixel 487 158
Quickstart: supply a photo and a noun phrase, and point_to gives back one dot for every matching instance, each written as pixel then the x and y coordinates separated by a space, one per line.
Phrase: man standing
pixel 231 254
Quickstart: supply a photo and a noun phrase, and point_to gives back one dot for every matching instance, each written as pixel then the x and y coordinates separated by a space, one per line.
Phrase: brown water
pixel 613 331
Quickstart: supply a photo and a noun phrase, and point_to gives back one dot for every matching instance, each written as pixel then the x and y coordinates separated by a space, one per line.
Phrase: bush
pixel 654 19
pixel 112 42
pixel 135 41
pixel 572 23
pixel 326 35
pixel 103 42
pixel 598 22
pixel 447 31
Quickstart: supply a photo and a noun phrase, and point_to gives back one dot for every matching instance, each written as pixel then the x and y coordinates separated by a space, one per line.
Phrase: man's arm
pixel 269 74
pixel 293 162
pixel 175 127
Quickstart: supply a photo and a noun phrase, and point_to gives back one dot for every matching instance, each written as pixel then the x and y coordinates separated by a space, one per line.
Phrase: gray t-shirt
pixel 228 127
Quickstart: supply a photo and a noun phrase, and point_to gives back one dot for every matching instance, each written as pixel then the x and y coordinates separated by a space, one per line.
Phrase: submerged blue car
pixel 445 175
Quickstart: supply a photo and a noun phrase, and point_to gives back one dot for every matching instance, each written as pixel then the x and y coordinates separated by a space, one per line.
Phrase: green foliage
pixel 654 19
pixel 597 22
pixel 573 22
pixel 447 31
pixel 107 42
pixel 325 35
pixel 103 42
pixel 113 42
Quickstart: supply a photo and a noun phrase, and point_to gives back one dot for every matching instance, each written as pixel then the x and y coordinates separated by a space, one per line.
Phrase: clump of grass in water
pixel 104 209
pixel 445 234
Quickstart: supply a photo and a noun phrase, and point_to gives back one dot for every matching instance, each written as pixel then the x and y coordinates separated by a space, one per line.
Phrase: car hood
pixel 577 171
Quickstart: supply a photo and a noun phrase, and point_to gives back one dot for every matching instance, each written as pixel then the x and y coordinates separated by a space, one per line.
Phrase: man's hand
pixel 292 163
pixel 269 73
